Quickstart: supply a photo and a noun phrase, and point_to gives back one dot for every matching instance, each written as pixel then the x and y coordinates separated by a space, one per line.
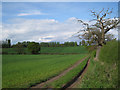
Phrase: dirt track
pixel 60 75
pixel 78 78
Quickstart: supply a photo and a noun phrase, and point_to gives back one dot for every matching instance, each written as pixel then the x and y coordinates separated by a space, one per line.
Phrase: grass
pixel 61 50
pixel 69 76
pixel 22 71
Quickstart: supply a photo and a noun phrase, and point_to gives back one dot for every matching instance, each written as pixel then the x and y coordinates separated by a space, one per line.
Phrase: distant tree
pixel 75 44
pixel 52 44
pixel 62 45
pixel 83 42
pixel 6 44
pixel 9 43
pixel 55 44
pixel 71 43
pixel 25 44
pixel 58 44
pixel 34 47
pixel 66 44
pixel 49 44
pixel 79 43
pixel 19 48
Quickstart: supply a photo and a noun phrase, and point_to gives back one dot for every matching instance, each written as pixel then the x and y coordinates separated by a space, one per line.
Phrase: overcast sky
pixel 48 21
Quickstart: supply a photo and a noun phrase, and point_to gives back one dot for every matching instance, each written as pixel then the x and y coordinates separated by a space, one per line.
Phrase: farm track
pixel 77 79
pixel 41 85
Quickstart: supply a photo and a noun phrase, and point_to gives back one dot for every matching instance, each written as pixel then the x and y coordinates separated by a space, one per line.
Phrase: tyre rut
pixel 77 79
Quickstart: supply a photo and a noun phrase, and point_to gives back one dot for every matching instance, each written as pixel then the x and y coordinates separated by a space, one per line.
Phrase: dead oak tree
pixel 96 33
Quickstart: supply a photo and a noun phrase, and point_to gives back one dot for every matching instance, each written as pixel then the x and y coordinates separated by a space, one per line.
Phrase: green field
pixel 22 71
pixel 58 50
pixel 77 49
pixel 13 51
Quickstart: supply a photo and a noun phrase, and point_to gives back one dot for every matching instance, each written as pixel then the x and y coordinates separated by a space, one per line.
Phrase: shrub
pixel 33 47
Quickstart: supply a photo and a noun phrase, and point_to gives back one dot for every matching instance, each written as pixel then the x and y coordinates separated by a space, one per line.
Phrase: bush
pixel 109 52
pixel 33 47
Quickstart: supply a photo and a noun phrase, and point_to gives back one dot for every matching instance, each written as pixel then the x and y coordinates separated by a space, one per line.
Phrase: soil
pixel 97 53
pixel 41 85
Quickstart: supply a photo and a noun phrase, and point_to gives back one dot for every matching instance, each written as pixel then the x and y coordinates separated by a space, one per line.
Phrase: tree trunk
pixel 97 52
pixel 103 35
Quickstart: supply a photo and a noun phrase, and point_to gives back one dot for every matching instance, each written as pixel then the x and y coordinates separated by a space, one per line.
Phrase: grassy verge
pixel 104 72
pixel 22 71
pixel 100 75
pixel 69 76
pixel 109 52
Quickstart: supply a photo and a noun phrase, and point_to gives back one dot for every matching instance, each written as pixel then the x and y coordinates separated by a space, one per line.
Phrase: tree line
pixel 34 47
pixel 7 44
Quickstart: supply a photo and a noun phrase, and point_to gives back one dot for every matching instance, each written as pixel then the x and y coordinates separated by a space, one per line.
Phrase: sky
pixel 48 21
pixel 60 0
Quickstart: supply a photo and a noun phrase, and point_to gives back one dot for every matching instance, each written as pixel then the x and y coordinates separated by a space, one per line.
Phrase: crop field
pixel 13 51
pixel 77 49
pixel 61 50
pixel 22 71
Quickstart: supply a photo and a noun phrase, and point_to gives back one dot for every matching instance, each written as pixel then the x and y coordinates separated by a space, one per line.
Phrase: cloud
pixel 33 12
pixel 42 30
